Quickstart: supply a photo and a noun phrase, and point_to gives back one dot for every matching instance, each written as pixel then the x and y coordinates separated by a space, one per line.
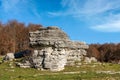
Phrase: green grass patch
pixel 83 72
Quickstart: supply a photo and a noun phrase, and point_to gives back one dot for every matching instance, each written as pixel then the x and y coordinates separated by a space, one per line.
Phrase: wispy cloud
pixel 110 23
pixel 108 27
pixel 100 6
pixel 18 7
pixel 69 7
pixel 103 15
pixel 7 4
pixel 86 7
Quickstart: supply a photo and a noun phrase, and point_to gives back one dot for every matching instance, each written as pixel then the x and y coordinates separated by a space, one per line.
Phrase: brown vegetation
pixel 105 52
pixel 14 36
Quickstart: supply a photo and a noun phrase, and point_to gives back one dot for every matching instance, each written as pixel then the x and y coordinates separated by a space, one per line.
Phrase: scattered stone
pixel 8 57
pixel 12 67
pixel 23 65
pixel 89 60
pixel 0 62
pixel 79 64
pixel 12 70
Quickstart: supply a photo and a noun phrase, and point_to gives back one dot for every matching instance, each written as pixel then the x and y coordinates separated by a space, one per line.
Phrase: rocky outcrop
pixel 53 37
pixel 53 49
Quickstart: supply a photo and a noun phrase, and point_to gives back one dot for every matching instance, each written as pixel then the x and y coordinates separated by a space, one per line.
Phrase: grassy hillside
pixel 94 71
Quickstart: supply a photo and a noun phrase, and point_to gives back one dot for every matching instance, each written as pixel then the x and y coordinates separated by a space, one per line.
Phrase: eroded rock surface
pixel 53 49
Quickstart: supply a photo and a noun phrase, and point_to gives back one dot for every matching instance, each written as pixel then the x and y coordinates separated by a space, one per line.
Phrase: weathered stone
pixel 53 36
pixel 23 65
pixel 89 60
pixel 8 57
pixel 47 65
pixel 54 49
pixel 35 53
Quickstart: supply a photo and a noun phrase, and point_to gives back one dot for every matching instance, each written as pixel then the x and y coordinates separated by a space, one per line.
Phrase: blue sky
pixel 92 21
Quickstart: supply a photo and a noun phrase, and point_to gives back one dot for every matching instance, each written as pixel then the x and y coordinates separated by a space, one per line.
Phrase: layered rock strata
pixel 53 49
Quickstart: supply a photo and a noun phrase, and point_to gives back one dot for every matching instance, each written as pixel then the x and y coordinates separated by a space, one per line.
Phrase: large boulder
pixel 53 49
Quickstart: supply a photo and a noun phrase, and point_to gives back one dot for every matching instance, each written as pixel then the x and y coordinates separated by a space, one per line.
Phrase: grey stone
pixel 89 60
pixel 8 57
pixel 47 65
pixel 53 49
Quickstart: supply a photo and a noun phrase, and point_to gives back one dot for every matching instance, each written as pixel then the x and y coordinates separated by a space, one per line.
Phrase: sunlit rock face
pixel 53 49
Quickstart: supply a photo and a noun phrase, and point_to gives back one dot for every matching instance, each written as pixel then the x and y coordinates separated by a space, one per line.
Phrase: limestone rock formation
pixel 53 37
pixel 53 49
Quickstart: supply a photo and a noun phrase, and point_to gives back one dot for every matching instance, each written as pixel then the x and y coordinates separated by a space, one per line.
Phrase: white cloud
pixel 104 15
pixel 113 26
pixel 110 23
pixel 86 7
pixel 100 6
pixel 18 7
pixel 69 7
pixel 8 5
